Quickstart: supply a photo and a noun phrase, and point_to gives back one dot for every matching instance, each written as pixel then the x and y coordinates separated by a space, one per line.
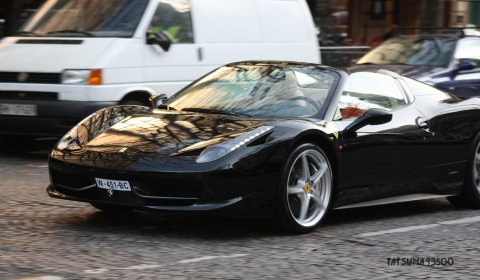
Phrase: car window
pixel 97 18
pixel 260 90
pixel 173 16
pixel 412 51
pixel 468 50
pixel 364 91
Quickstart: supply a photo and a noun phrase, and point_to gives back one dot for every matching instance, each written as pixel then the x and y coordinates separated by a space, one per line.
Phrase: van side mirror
pixel 162 38
pixel 373 116
pixel 466 65
pixel 158 100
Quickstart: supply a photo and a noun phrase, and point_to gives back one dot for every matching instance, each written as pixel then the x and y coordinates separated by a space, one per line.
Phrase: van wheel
pixel 305 190
pixel 470 195
pixel 134 102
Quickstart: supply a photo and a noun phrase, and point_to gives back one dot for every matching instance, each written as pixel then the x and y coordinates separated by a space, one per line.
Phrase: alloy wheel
pixel 309 188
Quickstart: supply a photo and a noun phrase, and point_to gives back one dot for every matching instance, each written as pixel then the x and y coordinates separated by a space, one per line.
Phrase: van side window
pixel 173 16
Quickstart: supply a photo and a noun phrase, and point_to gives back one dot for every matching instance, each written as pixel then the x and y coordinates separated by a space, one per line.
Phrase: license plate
pixel 18 109
pixel 113 184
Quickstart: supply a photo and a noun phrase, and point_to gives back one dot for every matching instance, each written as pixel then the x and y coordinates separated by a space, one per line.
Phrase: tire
pixel 112 209
pixel 470 195
pixel 11 144
pixel 303 199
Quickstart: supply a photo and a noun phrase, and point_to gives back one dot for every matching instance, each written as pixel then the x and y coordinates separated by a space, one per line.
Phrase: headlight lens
pixel 217 151
pixel 70 141
pixel 82 77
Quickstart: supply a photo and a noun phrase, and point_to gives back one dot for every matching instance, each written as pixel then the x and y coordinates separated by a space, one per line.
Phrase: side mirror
pixel 158 100
pixel 372 116
pixel 466 65
pixel 162 38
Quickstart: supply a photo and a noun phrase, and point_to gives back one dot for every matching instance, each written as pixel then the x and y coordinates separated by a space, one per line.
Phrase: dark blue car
pixel 449 62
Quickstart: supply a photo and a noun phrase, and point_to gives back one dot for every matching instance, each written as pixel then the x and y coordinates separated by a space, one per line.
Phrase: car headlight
pixel 217 151
pixel 82 77
pixel 70 141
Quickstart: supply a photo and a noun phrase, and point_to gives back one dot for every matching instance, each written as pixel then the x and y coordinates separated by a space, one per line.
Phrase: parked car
pixel 72 58
pixel 286 140
pixel 447 61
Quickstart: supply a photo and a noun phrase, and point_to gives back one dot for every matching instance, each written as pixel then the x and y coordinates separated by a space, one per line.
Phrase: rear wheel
pixel 112 209
pixel 305 190
pixel 470 195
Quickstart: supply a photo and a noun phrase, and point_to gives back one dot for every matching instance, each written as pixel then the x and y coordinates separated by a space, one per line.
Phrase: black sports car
pixel 288 140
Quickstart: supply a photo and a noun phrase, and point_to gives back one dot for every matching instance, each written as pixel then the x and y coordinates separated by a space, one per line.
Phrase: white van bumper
pixel 58 107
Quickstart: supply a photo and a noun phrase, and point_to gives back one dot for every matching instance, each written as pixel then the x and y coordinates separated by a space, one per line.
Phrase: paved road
pixel 44 238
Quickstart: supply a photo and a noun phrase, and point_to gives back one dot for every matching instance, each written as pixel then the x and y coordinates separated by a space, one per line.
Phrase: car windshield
pixel 86 18
pixel 412 51
pixel 259 90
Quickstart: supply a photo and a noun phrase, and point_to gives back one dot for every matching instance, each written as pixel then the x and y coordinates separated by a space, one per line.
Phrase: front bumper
pixel 54 117
pixel 215 192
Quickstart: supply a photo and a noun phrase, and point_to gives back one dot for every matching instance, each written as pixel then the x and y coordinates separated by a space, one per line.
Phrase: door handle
pixel 422 123
pixel 200 54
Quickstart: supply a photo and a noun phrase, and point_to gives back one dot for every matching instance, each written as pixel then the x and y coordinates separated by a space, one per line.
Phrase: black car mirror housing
pixel 158 100
pixel 466 65
pixel 373 116
pixel 162 39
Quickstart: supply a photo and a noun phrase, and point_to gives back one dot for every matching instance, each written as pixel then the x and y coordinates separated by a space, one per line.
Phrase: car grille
pixel 30 78
pixel 154 191
pixel 71 181
pixel 28 95
pixel 170 188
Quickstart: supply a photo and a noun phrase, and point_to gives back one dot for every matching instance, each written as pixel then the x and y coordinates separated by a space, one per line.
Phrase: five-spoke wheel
pixel 305 191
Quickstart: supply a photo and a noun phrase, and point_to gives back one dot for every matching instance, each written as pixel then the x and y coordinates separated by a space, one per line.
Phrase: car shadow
pixel 39 148
pixel 187 225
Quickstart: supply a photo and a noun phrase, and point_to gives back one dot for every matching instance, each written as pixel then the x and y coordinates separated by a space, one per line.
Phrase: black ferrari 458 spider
pixel 287 140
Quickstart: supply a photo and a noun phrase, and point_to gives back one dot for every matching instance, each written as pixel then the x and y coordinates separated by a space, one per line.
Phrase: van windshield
pixel 86 18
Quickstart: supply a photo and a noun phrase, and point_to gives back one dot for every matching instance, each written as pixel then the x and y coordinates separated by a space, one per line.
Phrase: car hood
pixel 162 132
pixel 32 54
pixel 411 71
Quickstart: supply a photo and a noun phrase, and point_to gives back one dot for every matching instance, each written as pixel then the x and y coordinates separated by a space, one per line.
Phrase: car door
pixel 465 83
pixel 386 160
pixel 454 123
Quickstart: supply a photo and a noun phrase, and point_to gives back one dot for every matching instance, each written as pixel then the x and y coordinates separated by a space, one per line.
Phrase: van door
pixel 233 30
pixel 169 71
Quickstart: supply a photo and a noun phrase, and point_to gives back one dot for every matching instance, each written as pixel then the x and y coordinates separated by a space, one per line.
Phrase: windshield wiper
pixel 28 33
pixel 71 31
pixel 214 111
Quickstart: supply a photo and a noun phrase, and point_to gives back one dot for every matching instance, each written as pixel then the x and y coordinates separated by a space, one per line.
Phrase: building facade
pixel 363 21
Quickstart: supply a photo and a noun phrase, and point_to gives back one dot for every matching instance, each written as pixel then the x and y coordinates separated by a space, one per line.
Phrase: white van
pixel 74 57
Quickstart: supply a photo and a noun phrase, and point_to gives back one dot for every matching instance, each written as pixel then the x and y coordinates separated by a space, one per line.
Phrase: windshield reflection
pixel 86 18
pixel 259 90
pixel 412 51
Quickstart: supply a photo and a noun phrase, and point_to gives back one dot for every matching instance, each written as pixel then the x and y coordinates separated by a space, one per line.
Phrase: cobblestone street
pixel 41 236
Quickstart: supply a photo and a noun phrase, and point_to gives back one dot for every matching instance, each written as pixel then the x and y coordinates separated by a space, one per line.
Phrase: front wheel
pixel 470 195
pixel 305 190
